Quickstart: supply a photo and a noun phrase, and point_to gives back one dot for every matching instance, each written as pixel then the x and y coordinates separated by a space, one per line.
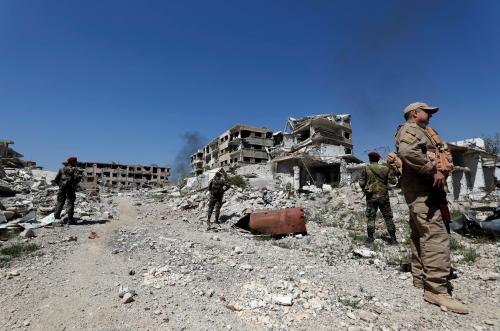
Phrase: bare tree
pixel 492 143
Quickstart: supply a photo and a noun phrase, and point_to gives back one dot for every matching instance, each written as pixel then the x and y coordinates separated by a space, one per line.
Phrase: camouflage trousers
pixel 63 195
pixel 215 201
pixel 374 204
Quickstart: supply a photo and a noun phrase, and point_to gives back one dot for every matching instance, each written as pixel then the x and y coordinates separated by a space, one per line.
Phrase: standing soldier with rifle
pixel 374 181
pixel 216 187
pixel 67 178
pixel 425 165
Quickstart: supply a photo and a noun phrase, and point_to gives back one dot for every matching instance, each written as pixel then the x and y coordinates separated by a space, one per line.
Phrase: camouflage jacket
pixel 217 186
pixel 68 177
pixel 375 180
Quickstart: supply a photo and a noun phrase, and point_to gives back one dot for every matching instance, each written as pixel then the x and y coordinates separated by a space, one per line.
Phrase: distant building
pixel 123 175
pixel 9 158
pixel 241 144
pixel 315 150
pixel 475 169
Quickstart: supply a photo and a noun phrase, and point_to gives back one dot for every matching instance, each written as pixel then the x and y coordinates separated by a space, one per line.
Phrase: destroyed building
pixel 241 144
pixel 315 150
pixel 123 175
pixel 9 158
pixel 475 169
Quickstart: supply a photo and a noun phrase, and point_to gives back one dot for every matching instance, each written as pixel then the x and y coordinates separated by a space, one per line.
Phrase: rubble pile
pixel 346 202
pixel 329 276
pixel 27 196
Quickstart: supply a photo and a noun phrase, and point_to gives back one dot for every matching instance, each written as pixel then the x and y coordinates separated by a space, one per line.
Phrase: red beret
pixel 72 159
pixel 374 156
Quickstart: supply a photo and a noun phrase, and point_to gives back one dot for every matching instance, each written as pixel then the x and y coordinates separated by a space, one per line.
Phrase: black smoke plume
pixel 192 141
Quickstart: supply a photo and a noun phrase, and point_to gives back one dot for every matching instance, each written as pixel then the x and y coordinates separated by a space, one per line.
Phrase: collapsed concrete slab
pixel 9 158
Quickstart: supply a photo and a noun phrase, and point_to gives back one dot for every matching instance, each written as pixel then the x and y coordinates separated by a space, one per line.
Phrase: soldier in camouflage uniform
pixel 374 181
pixel 67 178
pixel 216 187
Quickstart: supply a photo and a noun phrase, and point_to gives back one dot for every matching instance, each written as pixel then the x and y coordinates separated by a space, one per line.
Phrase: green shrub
pixel 354 303
pixel 237 181
pixel 470 255
pixel 358 236
pixel 455 245
pixel 18 249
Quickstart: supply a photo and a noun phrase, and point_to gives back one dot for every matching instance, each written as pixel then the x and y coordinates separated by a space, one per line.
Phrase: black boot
pixel 370 239
pixel 392 239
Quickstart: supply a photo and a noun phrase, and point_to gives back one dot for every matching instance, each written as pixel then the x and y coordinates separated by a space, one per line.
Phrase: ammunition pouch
pixel 442 159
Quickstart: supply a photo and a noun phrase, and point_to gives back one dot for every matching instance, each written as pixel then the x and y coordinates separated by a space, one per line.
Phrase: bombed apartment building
pixel 315 150
pixel 123 175
pixel 9 158
pixel 241 144
pixel 475 170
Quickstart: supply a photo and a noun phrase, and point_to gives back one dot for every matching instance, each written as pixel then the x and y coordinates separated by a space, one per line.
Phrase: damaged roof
pixel 325 119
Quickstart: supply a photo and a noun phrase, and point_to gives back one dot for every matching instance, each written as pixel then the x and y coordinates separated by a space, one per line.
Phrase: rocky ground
pixel 174 275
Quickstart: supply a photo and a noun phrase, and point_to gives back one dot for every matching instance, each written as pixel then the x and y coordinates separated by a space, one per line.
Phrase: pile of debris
pixel 28 197
pixel 344 202
pixel 9 158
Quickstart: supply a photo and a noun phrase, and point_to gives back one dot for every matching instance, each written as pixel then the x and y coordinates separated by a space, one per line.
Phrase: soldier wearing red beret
pixel 375 180
pixel 67 178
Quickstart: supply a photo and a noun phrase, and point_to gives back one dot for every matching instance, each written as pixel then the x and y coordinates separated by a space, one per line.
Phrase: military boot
pixel 392 239
pixel 209 225
pixel 445 300
pixel 370 239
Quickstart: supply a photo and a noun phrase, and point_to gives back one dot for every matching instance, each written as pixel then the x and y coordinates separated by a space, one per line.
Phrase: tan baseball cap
pixel 420 105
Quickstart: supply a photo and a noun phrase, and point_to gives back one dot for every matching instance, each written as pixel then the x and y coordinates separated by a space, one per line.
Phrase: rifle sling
pixel 376 173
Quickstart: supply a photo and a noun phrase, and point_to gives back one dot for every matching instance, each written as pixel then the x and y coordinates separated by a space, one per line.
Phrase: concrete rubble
pixel 264 278
pixel 33 200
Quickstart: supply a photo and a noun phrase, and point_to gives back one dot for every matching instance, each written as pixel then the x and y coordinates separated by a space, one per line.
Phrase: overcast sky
pixel 123 80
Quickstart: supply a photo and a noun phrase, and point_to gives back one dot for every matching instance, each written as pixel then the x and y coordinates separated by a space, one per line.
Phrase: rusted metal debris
pixel 274 222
